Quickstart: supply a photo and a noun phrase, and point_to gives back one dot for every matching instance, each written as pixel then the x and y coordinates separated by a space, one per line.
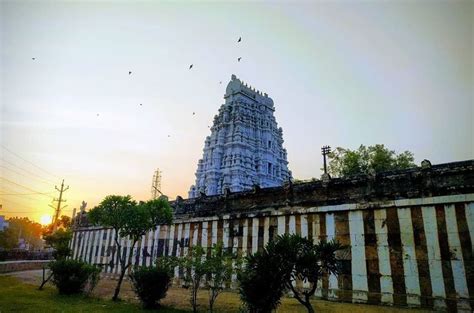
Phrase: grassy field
pixel 20 294
pixel 16 296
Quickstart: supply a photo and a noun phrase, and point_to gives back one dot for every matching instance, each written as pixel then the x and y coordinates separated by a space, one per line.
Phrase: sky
pixel 341 73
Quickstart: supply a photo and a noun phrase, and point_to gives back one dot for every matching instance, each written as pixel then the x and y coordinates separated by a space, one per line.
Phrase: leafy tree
pixel 64 222
pixel 219 269
pixel 23 227
pixel 59 241
pixel 346 162
pixel 302 260
pixel 195 269
pixel 8 239
pixel 129 219
pixel 285 260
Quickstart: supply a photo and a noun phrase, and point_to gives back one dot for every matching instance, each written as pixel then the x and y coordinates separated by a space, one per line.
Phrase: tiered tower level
pixel 245 148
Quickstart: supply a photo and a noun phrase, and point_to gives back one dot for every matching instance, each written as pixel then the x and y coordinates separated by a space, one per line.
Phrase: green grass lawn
pixel 23 296
pixel 16 296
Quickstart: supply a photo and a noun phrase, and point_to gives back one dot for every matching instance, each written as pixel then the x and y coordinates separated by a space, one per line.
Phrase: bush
pixel 151 284
pixel 261 283
pixel 72 276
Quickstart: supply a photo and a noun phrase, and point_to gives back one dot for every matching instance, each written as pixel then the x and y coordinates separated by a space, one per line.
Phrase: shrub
pixel 72 276
pixel 261 283
pixel 151 284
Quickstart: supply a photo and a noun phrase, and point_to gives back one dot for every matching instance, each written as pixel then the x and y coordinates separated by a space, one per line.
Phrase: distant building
pixel 3 223
pixel 245 148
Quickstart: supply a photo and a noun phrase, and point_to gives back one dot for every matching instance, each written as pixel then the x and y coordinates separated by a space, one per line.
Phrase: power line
pixel 36 191
pixel 24 194
pixel 18 156
pixel 7 191
pixel 14 202
pixel 44 180
pixel 13 212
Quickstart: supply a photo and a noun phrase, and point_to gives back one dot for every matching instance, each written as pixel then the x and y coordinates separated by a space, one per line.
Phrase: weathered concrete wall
pixel 410 233
pixel 17 266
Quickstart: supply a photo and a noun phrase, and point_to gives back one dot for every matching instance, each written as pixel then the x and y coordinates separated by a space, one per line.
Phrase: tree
pixel 302 260
pixel 59 241
pixel 283 262
pixel 64 223
pixel 131 220
pixel 8 239
pixel 219 269
pixel 195 268
pixel 23 227
pixel 346 162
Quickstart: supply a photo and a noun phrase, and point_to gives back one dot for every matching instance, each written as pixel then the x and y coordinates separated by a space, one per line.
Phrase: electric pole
pixel 58 208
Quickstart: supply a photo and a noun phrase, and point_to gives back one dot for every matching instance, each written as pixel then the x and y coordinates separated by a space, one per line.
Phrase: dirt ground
pixel 226 302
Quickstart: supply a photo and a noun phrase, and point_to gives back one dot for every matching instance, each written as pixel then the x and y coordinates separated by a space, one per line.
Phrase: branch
pixel 295 293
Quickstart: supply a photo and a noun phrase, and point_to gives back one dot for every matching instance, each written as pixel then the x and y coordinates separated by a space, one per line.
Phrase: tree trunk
pixel 45 280
pixel 212 299
pixel 309 307
pixel 122 263
pixel 117 288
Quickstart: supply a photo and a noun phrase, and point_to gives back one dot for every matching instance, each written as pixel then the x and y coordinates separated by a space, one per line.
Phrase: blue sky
pixel 341 73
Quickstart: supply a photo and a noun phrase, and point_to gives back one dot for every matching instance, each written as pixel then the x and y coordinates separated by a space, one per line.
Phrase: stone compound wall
pixel 410 233
pixel 26 265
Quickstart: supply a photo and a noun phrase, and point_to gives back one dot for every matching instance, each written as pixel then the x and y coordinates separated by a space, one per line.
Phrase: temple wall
pixel 411 249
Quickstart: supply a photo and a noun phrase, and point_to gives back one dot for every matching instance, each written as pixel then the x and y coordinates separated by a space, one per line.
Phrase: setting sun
pixel 45 220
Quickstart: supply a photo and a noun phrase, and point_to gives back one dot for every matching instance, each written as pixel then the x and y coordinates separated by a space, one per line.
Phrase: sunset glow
pixel 45 220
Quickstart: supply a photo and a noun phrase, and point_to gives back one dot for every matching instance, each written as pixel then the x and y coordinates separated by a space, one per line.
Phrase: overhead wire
pixel 37 177
pixel 28 188
pixel 29 162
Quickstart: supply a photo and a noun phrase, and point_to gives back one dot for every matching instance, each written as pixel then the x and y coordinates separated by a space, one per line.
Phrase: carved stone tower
pixel 245 147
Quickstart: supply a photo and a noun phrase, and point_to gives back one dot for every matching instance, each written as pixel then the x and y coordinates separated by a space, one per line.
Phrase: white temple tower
pixel 245 147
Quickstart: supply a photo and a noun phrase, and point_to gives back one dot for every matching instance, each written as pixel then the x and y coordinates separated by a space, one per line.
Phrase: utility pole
pixel 325 150
pixel 59 201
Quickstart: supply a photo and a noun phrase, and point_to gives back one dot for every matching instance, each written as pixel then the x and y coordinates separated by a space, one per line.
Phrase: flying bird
pixel 33 59
pixel 191 66
pixel 220 82
pixel 194 113
pixel 140 104
pixel 240 39
pixel 97 114
pixel 238 59
pixel 169 136
pixel 129 72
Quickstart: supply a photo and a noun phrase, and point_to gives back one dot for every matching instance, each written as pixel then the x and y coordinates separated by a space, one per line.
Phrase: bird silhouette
pixel 191 66
pixel 194 113
pixel 129 72
pixel 220 82
pixel 238 59
pixel 240 39
pixel 33 59
pixel 169 136
pixel 97 114
pixel 140 104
